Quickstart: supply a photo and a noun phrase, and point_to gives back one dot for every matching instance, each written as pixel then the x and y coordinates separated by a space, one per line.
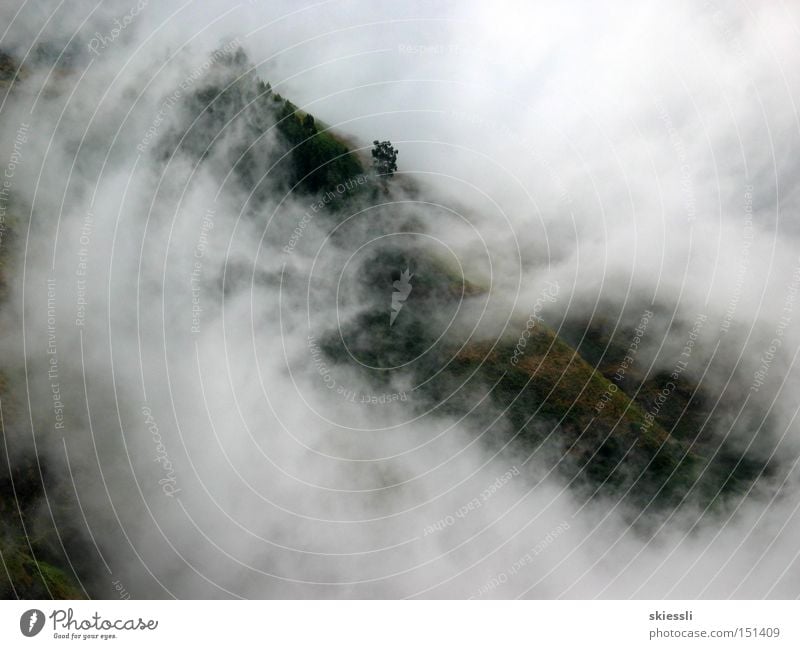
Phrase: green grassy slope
pixel 606 439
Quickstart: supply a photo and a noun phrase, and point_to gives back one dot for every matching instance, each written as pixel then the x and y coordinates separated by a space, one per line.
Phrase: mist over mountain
pixel 550 355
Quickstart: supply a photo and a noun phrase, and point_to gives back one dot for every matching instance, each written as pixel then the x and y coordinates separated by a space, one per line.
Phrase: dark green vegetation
pixel 8 70
pixel 547 403
pixel 384 160
pixel 231 113
pixel 30 549
pixel 265 137
pixel 693 416
pixel 29 544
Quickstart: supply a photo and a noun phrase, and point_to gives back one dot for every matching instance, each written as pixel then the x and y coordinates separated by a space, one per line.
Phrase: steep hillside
pixel 555 400
pixel 556 397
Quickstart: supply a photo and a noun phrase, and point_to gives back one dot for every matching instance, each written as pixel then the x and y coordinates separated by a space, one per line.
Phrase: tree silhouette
pixel 384 160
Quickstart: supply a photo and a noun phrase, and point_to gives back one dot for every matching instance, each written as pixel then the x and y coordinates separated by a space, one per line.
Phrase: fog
pixel 634 158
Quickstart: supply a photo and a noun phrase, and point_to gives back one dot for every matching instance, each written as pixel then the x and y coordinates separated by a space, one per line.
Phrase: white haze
pixel 606 148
